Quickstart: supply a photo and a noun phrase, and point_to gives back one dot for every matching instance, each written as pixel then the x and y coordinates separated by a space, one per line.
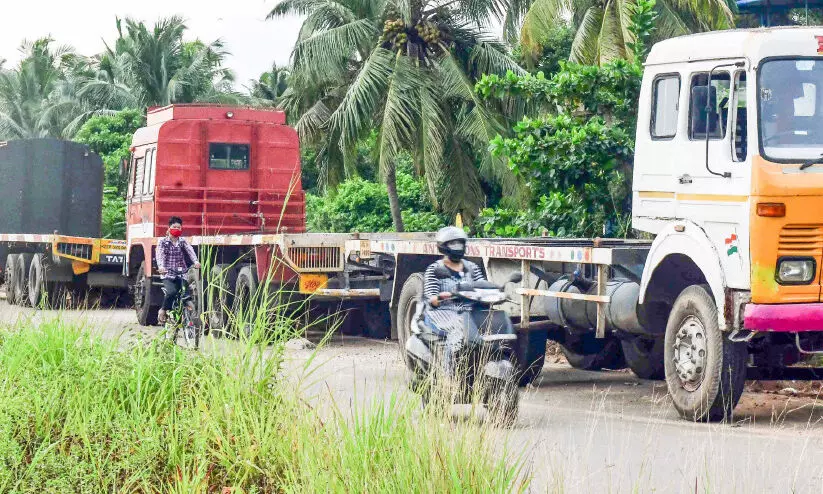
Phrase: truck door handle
pixel 684 179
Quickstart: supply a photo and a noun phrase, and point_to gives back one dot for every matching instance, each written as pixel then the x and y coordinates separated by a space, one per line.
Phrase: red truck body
pixel 181 167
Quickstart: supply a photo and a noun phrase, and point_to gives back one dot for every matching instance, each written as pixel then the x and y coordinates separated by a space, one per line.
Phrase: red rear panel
pixel 264 193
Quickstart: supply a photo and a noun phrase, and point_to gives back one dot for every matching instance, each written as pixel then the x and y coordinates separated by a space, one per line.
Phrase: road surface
pixel 583 431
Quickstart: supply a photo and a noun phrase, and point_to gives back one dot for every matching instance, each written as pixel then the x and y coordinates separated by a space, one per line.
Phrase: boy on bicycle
pixel 174 257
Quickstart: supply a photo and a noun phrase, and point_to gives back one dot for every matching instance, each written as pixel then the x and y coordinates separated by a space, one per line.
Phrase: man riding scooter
pixel 451 242
pixel 457 323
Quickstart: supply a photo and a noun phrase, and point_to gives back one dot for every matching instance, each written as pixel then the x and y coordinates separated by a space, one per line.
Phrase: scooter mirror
pixel 516 278
pixel 442 272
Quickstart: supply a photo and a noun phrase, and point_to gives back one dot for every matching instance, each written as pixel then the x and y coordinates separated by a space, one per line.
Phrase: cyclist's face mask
pixel 176 231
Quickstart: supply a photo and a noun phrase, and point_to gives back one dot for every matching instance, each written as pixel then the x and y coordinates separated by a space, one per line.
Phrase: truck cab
pixel 728 179
pixel 233 175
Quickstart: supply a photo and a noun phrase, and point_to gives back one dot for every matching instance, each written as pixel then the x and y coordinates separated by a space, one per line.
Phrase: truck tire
pixel 410 296
pixel 244 300
pixel 531 354
pixel 376 319
pixel 705 371
pixel 11 279
pixel 644 356
pixel 22 278
pixel 586 352
pixel 147 300
pixel 220 297
pixel 41 291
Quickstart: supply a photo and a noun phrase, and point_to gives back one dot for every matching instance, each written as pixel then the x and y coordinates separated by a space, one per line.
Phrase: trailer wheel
pixel 644 356
pixel 220 297
pixel 22 278
pixel 41 291
pixel 531 354
pixel 244 298
pixel 146 299
pixel 410 296
pixel 586 352
pixel 11 279
pixel 705 371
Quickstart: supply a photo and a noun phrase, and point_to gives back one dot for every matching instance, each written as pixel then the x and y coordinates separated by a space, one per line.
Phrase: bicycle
pixel 183 315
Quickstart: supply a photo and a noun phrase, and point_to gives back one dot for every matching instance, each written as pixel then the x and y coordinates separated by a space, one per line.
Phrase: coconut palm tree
pixel 38 97
pixel 407 69
pixel 602 26
pixel 156 67
pixel 271 85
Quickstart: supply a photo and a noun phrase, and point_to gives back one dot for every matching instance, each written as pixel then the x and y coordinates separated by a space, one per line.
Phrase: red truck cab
pixel 223 170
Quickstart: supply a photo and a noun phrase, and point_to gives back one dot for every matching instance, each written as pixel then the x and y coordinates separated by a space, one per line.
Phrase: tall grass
pixel 80 414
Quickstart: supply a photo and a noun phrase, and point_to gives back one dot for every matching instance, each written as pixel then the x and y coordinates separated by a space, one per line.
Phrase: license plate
pixel 310 283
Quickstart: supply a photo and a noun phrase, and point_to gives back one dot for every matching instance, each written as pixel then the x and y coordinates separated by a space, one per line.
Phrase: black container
pixel 48 185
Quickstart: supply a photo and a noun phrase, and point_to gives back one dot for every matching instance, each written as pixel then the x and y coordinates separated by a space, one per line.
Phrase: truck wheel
pixel 41 292
pixel 586 352
pixel 22 278
pixel 11 279
pixel 377 319
pixel 531 354
pixel 244 299
pixel 220 296
pixel 644 356
pixel 705 372
pixel 146 299
pixel 410 297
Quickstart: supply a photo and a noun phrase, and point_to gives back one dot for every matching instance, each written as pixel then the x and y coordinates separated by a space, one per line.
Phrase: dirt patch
pixel 806 389
pixel 554 354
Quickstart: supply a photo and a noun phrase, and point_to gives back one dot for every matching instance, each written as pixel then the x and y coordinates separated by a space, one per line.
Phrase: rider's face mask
pixel 456 250
pixel 176 231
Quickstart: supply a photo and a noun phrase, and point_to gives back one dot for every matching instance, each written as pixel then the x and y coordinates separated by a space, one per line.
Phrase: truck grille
pixel 800 240
pixel 316 258
pixel 81 251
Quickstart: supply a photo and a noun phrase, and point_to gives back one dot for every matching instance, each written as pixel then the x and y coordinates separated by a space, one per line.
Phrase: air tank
pixel 621 312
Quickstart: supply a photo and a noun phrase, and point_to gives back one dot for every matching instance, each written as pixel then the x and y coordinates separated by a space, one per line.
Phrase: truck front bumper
pixel 783 317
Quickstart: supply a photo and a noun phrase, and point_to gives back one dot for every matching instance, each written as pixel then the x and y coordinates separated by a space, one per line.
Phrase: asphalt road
pixel 581 431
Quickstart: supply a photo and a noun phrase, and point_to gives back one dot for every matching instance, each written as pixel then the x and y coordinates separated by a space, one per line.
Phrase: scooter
pixel 484 368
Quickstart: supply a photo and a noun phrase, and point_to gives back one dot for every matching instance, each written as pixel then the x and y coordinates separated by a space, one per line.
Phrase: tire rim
pixel 690 353
pixel 410 312
pixel 138 292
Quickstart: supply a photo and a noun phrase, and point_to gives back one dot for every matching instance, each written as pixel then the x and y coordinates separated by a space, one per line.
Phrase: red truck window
pixel 228 156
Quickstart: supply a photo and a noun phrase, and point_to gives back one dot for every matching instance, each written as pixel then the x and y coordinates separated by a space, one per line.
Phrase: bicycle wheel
pixel 191 331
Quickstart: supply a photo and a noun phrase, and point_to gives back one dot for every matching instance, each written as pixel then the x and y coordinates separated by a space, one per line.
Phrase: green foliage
pixel 573 168
pixel 110 136
pixel 642 27
pixel 78 414
pixel 610 90
pixel 360 205
pixel 602 32
pixel 576 155
pixel 556 48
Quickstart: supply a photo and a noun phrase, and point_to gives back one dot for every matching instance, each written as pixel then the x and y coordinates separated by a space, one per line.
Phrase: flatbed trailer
pixel 39 269
pixel 580 292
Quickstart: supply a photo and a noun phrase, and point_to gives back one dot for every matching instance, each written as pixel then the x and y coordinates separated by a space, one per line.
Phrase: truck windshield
pixel 791 117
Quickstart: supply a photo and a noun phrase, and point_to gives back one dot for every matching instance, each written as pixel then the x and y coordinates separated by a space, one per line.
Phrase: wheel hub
pixel 690 353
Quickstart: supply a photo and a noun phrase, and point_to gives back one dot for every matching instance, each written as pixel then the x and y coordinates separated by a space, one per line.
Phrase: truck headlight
pixel 795 271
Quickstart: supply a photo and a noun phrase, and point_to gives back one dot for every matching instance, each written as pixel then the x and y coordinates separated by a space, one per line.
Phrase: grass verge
pixel 80 414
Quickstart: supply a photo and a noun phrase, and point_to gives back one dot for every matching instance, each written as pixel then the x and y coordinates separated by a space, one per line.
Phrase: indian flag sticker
pixel 731 244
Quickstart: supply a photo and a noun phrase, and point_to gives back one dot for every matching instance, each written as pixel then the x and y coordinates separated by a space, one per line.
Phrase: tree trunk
pixel 394 200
